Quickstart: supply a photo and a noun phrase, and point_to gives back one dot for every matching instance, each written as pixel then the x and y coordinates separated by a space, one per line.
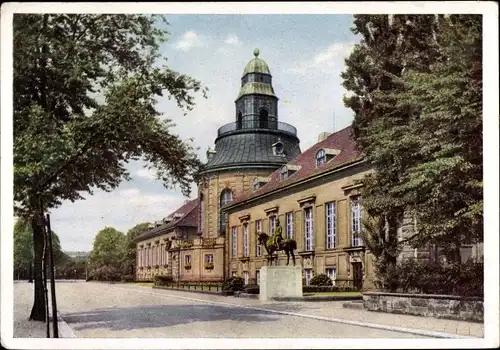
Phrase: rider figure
pixel 278 238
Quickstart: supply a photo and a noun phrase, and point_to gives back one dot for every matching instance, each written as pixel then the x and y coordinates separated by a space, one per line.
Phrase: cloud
pixel 233 40
pixel 189 40
pixel 77 223
pixel 146 173
pixel 330 59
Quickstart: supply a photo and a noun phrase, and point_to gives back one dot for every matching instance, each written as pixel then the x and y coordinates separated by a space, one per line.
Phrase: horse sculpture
pixel 287 245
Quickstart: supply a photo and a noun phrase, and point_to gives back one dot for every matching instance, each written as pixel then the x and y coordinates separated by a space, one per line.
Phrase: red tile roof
pixel 189 218
pixel 341 140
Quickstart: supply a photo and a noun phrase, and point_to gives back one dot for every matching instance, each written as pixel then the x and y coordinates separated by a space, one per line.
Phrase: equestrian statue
pixel 275 243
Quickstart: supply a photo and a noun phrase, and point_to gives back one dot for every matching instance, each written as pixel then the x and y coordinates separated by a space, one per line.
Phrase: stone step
pixel 355 304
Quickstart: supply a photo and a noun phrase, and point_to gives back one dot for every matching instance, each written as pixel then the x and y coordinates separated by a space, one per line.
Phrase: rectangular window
pixel 356 221
pixel 308 229
pixel 245 240
pixel 272 225
pixel 308 273
pixel 245 275
pixel 332 273
pixel 257 277
pixel 209 258
pixel 187 260
pixel 258 229
pixel 289 225
pixel 330 226
pixel 234 232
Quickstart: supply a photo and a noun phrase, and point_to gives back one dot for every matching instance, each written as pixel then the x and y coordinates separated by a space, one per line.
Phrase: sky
pixel 305 54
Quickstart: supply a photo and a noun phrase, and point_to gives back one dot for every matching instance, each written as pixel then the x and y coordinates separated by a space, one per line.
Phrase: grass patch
pixel 332 294
pixel 143 284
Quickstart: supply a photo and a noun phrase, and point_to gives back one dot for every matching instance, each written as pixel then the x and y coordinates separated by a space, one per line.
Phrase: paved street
pixel 115 311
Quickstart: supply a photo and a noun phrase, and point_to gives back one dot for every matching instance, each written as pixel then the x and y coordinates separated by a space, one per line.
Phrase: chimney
pixel 210 153
pixel 323 136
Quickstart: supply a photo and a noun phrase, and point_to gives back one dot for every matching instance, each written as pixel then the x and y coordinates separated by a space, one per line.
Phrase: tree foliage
pixel 108 248
pixel 85 93
pixel 416 93
pixel 23 246
pixel 129 259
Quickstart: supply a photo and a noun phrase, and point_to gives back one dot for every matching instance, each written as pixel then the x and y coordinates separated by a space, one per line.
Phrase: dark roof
pixel 340 140
pixel 247 149
pixel 189 218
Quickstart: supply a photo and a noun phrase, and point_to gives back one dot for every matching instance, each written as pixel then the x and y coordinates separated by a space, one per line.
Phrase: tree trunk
pixel 30 272
pixel 38 310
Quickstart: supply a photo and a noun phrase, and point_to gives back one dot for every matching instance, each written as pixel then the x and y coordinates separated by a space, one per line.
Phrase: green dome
pixel 256 65
pixel 256 88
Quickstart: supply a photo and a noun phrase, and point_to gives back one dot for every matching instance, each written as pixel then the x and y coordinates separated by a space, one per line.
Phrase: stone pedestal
pixel 280 281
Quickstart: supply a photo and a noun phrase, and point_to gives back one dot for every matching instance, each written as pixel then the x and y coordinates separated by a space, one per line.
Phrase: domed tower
pixel 246 150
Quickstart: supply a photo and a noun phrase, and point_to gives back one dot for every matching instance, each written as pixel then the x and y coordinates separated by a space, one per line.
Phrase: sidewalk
pixel 24 328
pixel 335 310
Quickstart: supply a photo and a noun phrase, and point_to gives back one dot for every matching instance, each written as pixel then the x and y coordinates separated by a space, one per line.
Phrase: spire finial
pixel 256 52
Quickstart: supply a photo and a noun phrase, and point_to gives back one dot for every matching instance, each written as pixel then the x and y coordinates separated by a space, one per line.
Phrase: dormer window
pixel 258 182
pixel 324 155
pixel 255 184
pixel 278 148
pixel 284 173
pixel 320 157
pixel 288 170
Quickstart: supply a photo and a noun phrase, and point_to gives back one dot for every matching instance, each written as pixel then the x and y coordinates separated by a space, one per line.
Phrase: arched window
pixel 239 121
pixel 320 157
pixel 263 118
pixel 226 197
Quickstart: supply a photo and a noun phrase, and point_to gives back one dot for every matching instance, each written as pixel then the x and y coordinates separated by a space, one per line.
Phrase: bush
pixel 414 276
pixel 233 284
pixel 252 289
pixel 160 280
pixel 105 273
pixel 128 278
pixel 321 280
pixel 322 289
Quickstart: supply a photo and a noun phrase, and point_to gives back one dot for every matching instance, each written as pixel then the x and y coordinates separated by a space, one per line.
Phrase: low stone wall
pixel 439 306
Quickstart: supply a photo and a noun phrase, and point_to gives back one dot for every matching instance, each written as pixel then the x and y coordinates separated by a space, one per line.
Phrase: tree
pixel 108 248
pixel 23 247
pixel 447 188
pixel 129 259
pixel 416 84
pixel 85 94
pixel 389 46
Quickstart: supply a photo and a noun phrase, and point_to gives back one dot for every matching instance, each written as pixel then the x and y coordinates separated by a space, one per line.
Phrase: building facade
pixel 316 199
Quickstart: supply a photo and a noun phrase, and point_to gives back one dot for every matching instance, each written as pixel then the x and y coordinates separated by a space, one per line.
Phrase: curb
pixel 319 298
pixel 190 290
pixel 64 329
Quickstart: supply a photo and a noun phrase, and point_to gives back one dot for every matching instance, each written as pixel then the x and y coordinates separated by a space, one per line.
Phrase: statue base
pixel 280 281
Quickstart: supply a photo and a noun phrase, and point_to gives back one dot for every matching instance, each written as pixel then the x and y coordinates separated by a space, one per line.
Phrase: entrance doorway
pixel 357 275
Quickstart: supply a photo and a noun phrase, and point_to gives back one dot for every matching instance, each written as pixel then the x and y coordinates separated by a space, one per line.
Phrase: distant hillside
pixel 77 254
